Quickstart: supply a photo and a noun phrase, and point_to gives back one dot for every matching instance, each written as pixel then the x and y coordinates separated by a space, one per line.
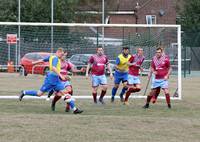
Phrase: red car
pixel 29 68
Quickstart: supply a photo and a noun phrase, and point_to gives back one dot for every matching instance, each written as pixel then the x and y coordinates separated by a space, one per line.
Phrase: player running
pixel 97 62
pixel 121 73
pixel 65 68
pixel 134 84
pixel 52 80
pixel 160 66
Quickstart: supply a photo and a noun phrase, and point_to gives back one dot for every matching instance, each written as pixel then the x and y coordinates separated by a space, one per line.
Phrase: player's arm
pixel 87 70
pixel 152 70
pixel 74 70
pixel 130 61
pixel 110 70
pixel 117 62
pixel 41 61
pixel 90 62
pixel 169 70
pixel 141 68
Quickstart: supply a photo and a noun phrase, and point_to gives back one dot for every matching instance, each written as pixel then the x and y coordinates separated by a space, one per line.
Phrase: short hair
pixel 60 49
pixel 159 48
pixel 125 47
pixel 99 46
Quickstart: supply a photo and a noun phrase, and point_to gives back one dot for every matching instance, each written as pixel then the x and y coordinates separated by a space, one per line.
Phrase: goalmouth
pixel 82 38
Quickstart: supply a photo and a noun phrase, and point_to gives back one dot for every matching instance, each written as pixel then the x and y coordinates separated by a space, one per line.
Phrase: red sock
pixel 103 92
pixel 148 99
pixel 67 106
pixel 167 96
pixel 94 97
pixel 55 99
pixel 128 93
pixel 157 93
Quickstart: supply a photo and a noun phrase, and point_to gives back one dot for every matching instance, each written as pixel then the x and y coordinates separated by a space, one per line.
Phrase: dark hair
pixel 125 47
pixel 159 48
pixel 99 46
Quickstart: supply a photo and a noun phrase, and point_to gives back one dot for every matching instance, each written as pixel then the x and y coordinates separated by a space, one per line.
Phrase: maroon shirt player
pixel 134 84
pixel 160 66
pixel 98 62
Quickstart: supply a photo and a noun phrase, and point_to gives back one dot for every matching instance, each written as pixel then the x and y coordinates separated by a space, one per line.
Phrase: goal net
pixel 84 38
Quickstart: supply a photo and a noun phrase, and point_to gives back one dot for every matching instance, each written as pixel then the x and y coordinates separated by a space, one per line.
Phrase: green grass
pixel 32 120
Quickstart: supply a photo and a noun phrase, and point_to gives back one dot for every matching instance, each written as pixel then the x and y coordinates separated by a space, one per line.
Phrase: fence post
pixel 184 61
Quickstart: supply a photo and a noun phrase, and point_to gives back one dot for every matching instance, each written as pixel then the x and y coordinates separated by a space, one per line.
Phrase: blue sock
pixel 72 104
pixel 30 92
pixel 123 91
pixel 114 90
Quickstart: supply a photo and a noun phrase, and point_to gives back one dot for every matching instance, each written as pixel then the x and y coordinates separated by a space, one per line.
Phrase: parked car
pixel 29 68
pixel 81 60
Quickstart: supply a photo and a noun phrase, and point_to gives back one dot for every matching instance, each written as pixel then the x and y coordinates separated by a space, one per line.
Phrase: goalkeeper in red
pixel 160 66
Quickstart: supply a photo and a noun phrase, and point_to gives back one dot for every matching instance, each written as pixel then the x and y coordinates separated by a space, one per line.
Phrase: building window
pixel 151 19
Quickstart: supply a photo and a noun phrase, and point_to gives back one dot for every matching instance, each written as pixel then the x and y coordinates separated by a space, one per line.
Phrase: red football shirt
pixel 98 64
pixel 161 65
pixel 137 60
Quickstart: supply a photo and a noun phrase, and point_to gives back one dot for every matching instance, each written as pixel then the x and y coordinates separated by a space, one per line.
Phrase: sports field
pixel 33 121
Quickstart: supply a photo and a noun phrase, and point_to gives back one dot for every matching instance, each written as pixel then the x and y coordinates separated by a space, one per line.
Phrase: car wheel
pixel 22 71
pixel 46 70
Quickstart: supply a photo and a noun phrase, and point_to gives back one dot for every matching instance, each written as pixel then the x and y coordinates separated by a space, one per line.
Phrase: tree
pixel 190 22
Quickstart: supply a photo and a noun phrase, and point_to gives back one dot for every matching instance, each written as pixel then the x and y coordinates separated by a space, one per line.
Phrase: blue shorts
pixel 49 85
pixel 120 76
pixel 66 83
pixel 133 79
pixel 159 83
pixel 98 80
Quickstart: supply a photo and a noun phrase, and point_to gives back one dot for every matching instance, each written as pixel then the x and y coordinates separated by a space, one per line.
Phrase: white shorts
pixel 66 83
pixel 133 79
pixel 159 83
pixel 99 80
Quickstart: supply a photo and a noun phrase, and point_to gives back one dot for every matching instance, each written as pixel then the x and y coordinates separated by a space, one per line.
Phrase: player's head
pixel 100 50
pixel 125 50
pixel 60 52
pixel 159 52
pixel 140 51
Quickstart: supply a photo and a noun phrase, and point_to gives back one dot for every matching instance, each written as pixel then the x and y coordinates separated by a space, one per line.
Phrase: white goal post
pixel 127 27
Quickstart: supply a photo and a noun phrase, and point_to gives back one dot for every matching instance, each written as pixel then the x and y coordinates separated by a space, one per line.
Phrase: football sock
pixel 167 96
pixel 148 99
pixel 103 92
pixel 94 97
pixel 123 91
pixel 114 90
pixel 128 93
pixel 50 93
pixel 55 99
pixel 72 105
pixel 30 92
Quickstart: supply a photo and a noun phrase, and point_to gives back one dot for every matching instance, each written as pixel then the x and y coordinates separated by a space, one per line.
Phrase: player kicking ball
pixel 160 66
pixel 52 80
pixel 70 101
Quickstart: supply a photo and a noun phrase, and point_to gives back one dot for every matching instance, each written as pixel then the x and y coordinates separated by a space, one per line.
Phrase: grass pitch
pixel 33 121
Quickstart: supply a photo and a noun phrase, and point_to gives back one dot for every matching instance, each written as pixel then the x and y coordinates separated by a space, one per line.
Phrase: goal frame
pixel 111 25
